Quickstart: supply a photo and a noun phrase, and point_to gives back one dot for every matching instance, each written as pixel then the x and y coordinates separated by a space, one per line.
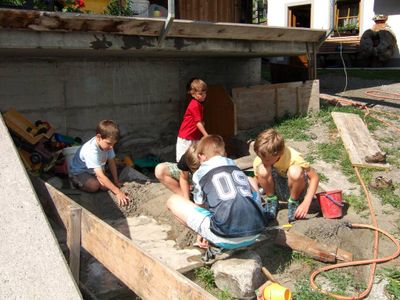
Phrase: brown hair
pixel 108 129
pixel 197 85
pixel 191 158
pixel 211 145
pixel 269 143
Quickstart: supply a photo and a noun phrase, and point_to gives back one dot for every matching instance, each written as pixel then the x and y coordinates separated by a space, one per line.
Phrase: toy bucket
pixel 69 153
pixel 331 204
pixel 275 291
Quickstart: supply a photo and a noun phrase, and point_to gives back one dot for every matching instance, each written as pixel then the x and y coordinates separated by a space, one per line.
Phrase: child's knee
pixel 159 171
pixel 91 185
pixel 172 202
pixel 263 172
pixel 295 173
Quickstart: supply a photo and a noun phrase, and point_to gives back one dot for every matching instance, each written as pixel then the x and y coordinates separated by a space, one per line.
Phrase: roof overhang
pixel 61 34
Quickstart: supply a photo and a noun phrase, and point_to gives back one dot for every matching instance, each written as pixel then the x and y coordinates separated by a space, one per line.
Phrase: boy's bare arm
pixel 202 129
pixel 184 184
pixel 113 169
pixel 121 197
pixel 313 181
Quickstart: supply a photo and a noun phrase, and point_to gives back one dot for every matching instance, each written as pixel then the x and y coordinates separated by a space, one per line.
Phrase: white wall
pixel 321 14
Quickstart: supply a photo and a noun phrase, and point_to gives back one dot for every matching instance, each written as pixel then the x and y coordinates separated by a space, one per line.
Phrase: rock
pixel 240 275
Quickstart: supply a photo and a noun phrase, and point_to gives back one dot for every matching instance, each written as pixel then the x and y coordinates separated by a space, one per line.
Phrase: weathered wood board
pixel 260 105
pixel 357 139
pixel 144 274
pixel 219 112
pixel 219 30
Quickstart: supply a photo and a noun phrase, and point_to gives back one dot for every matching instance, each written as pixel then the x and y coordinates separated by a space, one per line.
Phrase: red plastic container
pixel 331 204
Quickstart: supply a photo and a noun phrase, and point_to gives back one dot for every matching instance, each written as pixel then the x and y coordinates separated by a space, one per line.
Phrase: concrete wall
pixel 145 96
pixel 321 15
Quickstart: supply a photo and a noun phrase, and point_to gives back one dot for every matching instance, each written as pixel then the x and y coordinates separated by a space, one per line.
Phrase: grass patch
pixel 292 127
pixel 387 195
pixel 310 157
pixel 356 202
pixel 336 153
pixel 324 115
pixel 305 292
pixel 364 74
pixel 393 156
pixel 205 277
pixel 322 177
pixel 342 282
pixel 393 287
pixel 300 257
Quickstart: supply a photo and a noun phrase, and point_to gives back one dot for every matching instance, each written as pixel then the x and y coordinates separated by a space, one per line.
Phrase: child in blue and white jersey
pixel 227 211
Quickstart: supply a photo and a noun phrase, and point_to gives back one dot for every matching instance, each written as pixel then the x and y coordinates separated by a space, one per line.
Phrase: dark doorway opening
pixel 300 16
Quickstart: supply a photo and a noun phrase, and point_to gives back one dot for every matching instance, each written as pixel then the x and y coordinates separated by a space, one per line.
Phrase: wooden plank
pixel 260 105
pixel 219 30
pixel 144 274
pixel 213 10
pixel 253 107
pixel 318 251
pixel 219 113
pixel 357 139
pixel 287 98
pixel 36 20
pixel 74 240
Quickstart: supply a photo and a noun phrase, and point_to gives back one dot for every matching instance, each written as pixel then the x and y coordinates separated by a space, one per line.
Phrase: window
pixel 347 16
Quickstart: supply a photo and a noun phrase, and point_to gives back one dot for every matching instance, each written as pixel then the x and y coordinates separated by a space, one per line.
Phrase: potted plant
pixel 346 30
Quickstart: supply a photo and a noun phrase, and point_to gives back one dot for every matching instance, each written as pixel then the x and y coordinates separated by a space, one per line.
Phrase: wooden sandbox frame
pixel 145 275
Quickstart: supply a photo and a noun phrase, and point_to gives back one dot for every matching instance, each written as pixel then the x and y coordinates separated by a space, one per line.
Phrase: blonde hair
pixel 108 129
pixel 211 145
pixel 192 160
pixel 269 143
pixel 197 85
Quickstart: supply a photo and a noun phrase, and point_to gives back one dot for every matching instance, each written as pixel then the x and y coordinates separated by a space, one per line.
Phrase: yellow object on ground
pixel 275 291
pixel 96 6
pixel 283 227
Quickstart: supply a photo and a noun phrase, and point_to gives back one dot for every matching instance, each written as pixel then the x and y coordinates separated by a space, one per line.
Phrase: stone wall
pixel 146 96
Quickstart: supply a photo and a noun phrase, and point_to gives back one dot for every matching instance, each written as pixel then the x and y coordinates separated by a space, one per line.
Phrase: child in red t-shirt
pixel 192 128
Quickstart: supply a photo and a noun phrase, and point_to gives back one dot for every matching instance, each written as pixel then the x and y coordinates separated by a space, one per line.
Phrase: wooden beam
pixel 235 31
pixel 318 251
pixel 74 240
pixel 53 21
pixel 144 274
pixel 357 139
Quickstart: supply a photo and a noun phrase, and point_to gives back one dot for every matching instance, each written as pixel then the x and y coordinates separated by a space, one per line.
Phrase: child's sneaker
pixel 271 207
pixel 292 207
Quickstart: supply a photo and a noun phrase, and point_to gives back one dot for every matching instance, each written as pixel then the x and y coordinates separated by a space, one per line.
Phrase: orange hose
pixel 386 123
pixel 356 263
pixel 365 107
pixel 373 261
pixel 379 94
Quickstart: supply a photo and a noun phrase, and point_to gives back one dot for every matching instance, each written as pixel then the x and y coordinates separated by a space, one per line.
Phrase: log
pixel 310 247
